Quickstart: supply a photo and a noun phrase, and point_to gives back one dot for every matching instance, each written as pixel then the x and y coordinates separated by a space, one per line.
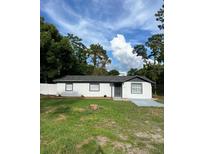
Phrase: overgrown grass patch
pixel 69 126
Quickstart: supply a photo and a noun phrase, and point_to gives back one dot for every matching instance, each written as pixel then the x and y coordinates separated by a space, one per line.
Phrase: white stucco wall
pixel 60 88
pixel 105 89
pixel 146 88
pixel 48 89
pixel 83 89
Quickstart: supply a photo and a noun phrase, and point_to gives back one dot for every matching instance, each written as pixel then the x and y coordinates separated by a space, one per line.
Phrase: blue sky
pixel 116 24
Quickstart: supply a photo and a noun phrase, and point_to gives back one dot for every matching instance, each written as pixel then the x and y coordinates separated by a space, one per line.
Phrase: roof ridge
pixel 100 78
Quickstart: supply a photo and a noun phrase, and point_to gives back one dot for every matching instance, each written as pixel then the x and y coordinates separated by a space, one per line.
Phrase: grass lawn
pixel 68 126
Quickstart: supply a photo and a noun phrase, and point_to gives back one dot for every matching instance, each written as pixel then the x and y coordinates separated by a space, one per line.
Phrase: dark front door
pixel 118 90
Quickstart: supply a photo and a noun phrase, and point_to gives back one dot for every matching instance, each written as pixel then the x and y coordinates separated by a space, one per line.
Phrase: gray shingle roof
pixel 94 78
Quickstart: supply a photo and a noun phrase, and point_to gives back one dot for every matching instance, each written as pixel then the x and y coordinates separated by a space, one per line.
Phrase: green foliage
pixel 99 71
pixel 132 72
pixel 113 72
pixel 160 17
pixel 99 56
pixel 49 29
pixel 89 69
pixel 153 72
pixel 48 35
pixel 60 55
pixel 140 50
pixel 78 47
pixel 156 44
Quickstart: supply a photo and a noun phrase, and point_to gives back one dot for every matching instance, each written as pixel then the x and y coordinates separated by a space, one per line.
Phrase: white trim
pixel 66 87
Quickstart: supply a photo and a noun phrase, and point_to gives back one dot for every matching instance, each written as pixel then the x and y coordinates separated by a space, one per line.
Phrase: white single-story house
pixel 104 86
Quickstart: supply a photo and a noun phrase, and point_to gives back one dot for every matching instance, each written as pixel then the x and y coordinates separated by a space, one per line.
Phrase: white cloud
pixel 137 14
pixel 122 51
pixel 89 30
pixel 132 14
pixel 151 61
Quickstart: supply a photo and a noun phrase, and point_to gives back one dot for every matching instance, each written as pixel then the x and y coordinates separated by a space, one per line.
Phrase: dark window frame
pixel 137 92
pixel 66 86
pixel 94 90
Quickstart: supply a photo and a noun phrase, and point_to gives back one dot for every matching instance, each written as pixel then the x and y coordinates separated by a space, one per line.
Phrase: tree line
pixel 66 55
pixel 62 55
pixel 155 43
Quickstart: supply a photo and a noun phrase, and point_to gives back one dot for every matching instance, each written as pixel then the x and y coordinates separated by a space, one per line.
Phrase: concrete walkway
pixel 146 102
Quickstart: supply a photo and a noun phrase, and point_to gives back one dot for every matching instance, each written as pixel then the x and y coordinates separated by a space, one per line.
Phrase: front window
pixel 69 87
pixel 136 88
pixel 94 87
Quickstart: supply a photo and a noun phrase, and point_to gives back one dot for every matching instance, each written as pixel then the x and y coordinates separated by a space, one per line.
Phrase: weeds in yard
pixel 69 126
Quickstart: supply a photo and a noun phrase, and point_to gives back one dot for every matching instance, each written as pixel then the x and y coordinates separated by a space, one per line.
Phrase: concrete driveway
pixel 146 102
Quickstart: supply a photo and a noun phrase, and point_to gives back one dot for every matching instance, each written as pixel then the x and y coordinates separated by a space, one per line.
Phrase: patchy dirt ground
pixel 68 126
pixel 61 117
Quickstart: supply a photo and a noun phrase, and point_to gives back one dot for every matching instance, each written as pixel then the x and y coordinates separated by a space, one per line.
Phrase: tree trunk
pixel 94 60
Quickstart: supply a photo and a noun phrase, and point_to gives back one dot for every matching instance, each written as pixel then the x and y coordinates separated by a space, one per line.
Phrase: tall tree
pixel 156 44
pixel 99 56
pixel 48 36
pixel 78 47
pixel 140 50
pixel 60 55
pixel 105 60
pixel 160 17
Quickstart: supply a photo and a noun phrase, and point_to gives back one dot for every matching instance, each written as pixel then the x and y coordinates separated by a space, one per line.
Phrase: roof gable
pixel 141 78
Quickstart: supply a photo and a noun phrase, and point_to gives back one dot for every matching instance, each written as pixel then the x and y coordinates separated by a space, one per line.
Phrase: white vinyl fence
pixel 48 89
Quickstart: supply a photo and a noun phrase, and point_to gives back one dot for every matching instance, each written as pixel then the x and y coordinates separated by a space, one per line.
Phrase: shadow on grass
pixel 57 106
pixel 56 102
